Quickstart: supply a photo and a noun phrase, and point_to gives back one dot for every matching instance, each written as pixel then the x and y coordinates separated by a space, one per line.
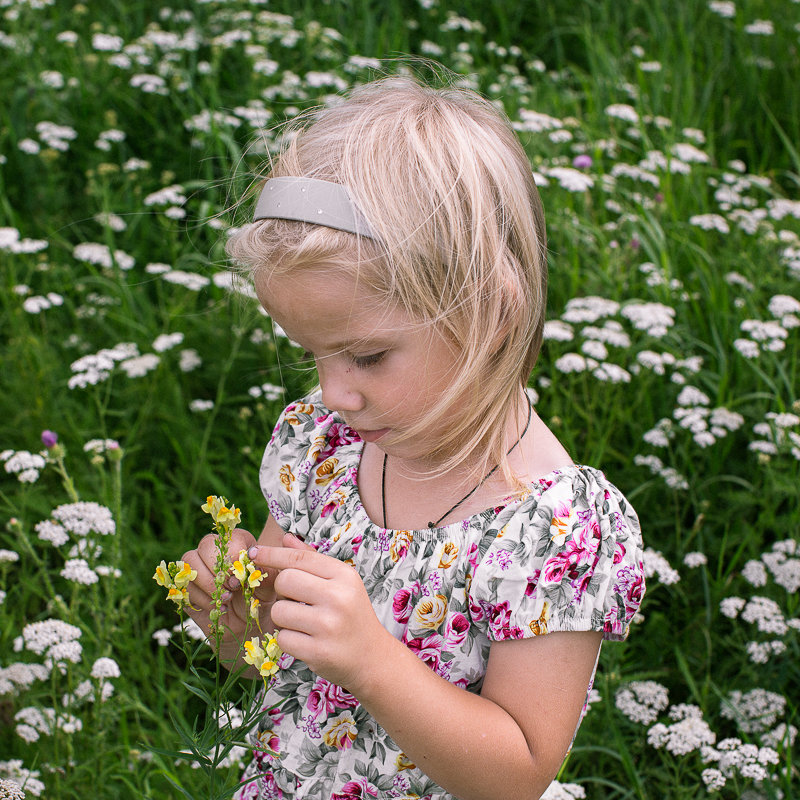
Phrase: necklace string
pixel 470 492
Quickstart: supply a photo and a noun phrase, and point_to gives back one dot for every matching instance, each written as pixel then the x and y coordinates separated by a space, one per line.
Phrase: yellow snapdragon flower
pixel 175 577
pixel 263 657
pixel 246 571
pixel 225 518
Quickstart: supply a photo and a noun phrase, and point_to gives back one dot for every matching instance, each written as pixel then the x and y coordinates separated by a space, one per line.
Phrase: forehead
pixel 327 305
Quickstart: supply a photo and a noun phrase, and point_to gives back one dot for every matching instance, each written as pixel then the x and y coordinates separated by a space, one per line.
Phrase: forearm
pixel 466 743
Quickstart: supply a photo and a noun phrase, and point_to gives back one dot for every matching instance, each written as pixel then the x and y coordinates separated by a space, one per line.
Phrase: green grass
pixel 568 60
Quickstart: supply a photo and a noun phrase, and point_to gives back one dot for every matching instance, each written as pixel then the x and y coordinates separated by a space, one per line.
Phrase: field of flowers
pixel 663 136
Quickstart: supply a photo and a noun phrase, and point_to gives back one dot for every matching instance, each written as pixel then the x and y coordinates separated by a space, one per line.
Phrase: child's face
pixel 380 368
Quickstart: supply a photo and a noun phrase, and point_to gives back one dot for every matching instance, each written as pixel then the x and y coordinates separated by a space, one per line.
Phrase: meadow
pixel 663 137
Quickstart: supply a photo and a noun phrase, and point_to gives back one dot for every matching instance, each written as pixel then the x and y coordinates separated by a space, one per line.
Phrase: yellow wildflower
pixel 161 576
pixel 184 575
pixel 225 518
pixel 263 658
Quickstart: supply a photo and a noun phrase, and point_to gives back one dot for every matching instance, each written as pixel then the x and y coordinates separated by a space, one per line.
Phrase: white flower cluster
pixel 671 476
pixel 10 790
pixel 17 677
pixel 100 446
pixel 101 254
pixel 53 638
pixel 688 732
pixel 770 335
pixel 52 532
pixel 653 318
pixel 10 242
pixel 710 222
pixel 267 390
pixel 38 303
pixel 733 757
pixel 754 711
pixel 779 432
pixel 26 466
pixel 705 424
pixel 15 771
pixel 642 701
pixel 85 517
pixel 79 571
pixel 97 367
pixel 563 791
pixel 166 341
pixel 656 564
pixel 33 722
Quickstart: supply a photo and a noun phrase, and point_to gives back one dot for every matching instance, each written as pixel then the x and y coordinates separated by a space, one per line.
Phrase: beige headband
pixel 311 200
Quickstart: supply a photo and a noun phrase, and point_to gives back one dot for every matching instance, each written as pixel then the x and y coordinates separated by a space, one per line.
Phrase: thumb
pixel 295 543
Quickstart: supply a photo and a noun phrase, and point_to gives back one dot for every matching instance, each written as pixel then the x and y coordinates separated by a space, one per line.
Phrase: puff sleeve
pixel 567 558
pixel 307 464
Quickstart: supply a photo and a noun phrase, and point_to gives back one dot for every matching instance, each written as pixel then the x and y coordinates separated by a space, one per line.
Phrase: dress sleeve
pixel 306 464
pixel 567 558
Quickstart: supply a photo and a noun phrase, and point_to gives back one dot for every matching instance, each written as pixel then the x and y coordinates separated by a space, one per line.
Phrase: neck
pixel 485 476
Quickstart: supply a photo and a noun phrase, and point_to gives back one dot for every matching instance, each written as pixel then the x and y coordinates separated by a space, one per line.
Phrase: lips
pixel 374 435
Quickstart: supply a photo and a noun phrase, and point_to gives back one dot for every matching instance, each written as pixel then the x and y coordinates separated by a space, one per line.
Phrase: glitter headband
pixel 311 200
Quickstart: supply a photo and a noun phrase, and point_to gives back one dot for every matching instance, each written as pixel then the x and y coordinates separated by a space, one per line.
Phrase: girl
pixel 426 528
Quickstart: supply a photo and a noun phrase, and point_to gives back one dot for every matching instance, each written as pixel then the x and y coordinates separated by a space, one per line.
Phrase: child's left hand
pixel 323 612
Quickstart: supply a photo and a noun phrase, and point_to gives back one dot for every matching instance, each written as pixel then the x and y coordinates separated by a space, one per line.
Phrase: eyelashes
pixel 362 362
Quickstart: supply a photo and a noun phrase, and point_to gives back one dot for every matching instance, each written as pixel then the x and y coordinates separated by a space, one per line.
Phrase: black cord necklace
pixel 469 493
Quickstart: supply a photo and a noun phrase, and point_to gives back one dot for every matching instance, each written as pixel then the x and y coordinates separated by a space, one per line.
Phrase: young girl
pixel 426 528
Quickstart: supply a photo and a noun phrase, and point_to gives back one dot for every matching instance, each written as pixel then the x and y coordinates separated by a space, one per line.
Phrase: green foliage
pixel 161 132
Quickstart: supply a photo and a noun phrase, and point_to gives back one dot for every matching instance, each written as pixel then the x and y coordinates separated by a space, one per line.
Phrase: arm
pixel 512 737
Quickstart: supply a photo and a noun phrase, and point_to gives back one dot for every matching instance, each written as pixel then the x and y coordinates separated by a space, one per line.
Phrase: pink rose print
pixel 475 610
pixel 500 623
pixel 355 790
pixel 339 434
pixel 326 697
pixel 402 605
pixel 533 580
pixel 630 584
pixel 456 630
pixel 619 553
pixel 427 649
pixel 473 556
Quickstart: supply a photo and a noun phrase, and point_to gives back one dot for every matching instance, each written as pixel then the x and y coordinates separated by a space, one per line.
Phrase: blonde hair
pixel 460 241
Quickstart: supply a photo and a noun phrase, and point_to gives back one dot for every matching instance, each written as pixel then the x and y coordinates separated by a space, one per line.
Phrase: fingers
pixel 307 560
pixel 293 542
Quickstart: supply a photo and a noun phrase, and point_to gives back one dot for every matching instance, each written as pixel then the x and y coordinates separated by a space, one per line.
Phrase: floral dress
pixel 566 556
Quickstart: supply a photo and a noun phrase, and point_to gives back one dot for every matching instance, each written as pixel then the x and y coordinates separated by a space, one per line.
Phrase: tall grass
pixel 158 109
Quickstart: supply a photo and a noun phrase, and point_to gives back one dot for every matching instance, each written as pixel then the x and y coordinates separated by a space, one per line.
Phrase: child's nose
pixel 339 391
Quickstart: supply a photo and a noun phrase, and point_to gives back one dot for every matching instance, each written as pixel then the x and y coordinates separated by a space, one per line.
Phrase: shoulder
pixel 571 550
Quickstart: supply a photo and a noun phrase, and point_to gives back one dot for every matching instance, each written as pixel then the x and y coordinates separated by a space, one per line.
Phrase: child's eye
pixel 362 362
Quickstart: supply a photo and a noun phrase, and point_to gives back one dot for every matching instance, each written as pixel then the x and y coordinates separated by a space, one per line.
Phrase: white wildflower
pixel 710 222
pixel 559 331
pixel 656 564
pixel 731 606
pixel 642 701
pixel 754 711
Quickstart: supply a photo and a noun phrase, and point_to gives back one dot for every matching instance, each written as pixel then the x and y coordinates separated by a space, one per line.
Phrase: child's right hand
pixel 234 620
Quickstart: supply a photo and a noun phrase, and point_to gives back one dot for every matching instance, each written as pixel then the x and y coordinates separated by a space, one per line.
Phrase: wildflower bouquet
pixel 220 741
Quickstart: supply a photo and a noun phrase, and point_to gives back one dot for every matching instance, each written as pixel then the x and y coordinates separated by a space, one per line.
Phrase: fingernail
pixel 226 596
pixel 253 552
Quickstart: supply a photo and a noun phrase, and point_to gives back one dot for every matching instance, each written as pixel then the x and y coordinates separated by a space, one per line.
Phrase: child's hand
pixel 204 560
pixel 323 612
